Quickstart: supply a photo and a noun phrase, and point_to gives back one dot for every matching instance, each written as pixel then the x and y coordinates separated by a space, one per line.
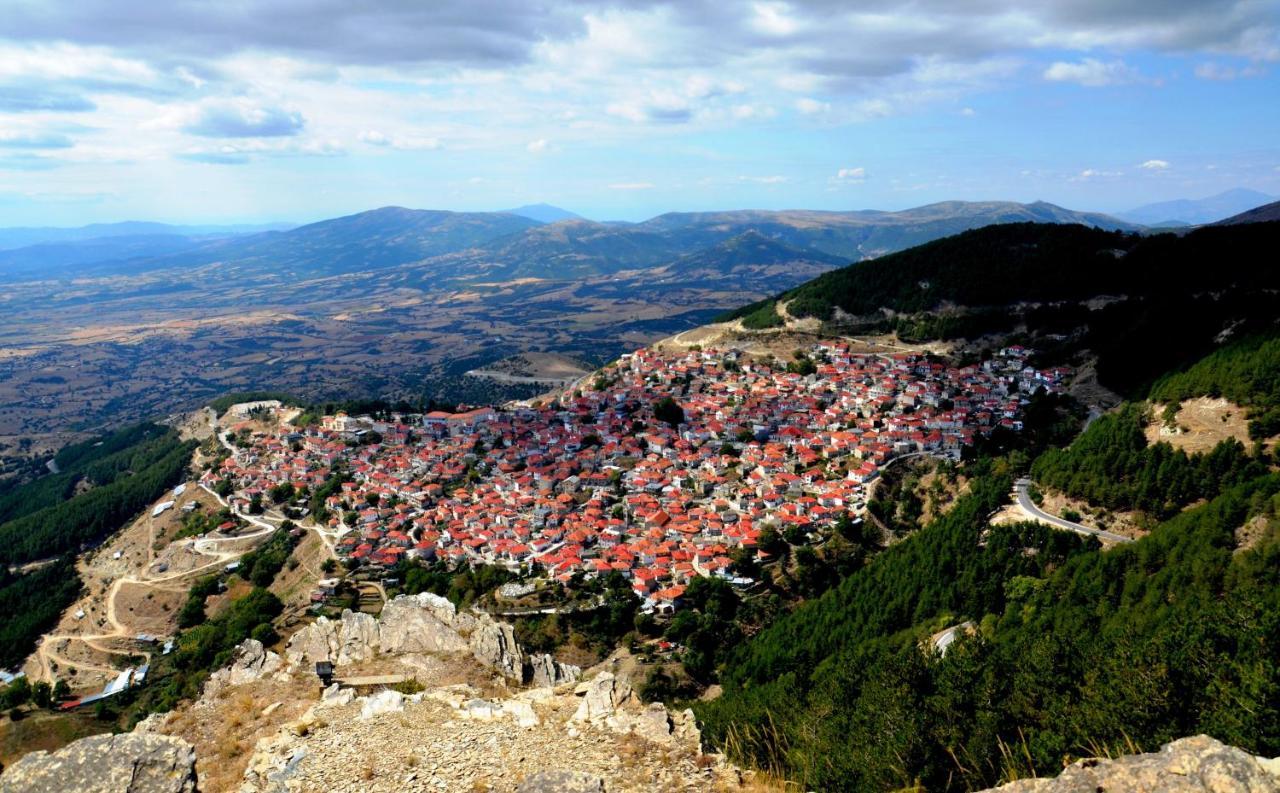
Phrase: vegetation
pixel 1111 465
pixel 199 651
pixel 31 605
pixel 461 585
pixel 1246 372
pixel 260 566
pixel 90 516
pixel 965 286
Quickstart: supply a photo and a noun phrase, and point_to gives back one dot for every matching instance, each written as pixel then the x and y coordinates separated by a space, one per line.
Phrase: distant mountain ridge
pixel 498 246
pixel 1262 214
pixel 23 236
pixel 544 213
pixel 1194 212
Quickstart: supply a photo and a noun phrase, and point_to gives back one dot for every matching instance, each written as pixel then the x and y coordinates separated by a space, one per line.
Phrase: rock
pixel 561 782
pixel 494 644
pixel 1190 765
pixel 653 724
pixel 128 763
pixel 335 696
pixel 602 698
pixel 387 701
pixel 421 623
pixel 358 637
pixel 251 662
pixel 547 672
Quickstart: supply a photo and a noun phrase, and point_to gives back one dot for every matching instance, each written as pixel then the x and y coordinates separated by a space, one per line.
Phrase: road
pixel 1028 506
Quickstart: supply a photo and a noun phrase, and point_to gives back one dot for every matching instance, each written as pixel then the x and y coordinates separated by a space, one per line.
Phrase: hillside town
pixel 659 467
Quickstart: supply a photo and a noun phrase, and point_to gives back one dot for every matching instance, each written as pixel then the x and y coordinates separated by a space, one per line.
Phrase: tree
pixel 669 411
pixel 42 694
pixel 61 690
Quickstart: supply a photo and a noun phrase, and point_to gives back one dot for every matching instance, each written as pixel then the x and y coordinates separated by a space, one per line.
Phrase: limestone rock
pixel 251 662
pixel 421 623
pixel 547 672
pixel 387 701
pixel 1190 765
pixel 128 763
pixel 602 698
pixel 358 637
pixel 561 782
pixel 494 644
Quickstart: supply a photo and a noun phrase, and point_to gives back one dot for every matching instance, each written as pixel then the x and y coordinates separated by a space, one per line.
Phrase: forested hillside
pixel 1073 651
pixel 102 483
pixel 1165 298
pixel 1246 372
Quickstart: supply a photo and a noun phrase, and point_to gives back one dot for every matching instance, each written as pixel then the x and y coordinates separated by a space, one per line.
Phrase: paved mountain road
pixel 1028 506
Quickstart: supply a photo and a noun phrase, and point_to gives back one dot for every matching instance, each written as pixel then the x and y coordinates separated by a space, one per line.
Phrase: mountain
pixel 999 278
pixel 370 240
pixel 94 255
pixel 748 261
pixel 1197 211
pixel 867 233
pixel 1263 214
pixel 21 237
pixel 543 213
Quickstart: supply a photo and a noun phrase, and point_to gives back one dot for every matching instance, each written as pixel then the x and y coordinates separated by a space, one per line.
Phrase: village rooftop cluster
pixel 658 467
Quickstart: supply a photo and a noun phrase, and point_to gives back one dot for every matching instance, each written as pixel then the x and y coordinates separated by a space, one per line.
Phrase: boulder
pixel 1190 765
pixel 251 662
pixel 494 644
pixel 129 763
pixel 601 698
pixel 358 637
pixel 547 672
pixel 420 624
pixel 386 701
pixel 561 782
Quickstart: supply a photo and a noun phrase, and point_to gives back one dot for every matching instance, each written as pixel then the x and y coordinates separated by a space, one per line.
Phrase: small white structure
pixel 160 508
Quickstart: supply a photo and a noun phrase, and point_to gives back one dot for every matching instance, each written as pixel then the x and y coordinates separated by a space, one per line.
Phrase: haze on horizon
pixel 264 111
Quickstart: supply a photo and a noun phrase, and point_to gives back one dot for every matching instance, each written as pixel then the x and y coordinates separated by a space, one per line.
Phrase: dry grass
pixel 1201 424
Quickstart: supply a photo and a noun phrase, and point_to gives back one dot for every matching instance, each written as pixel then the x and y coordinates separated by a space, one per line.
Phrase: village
pixel 660 467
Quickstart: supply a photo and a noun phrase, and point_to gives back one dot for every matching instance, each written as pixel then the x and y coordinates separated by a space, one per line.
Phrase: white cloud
pixel 968 112
pixel 1095 173
pixel 380 139
pixel 853 175
pixel 763 179
pixel 1213 70
pixel 631 186
pixel 537 146
pixel 810 106
pixel 1091 72
pixel 1155 165
pixel 772 19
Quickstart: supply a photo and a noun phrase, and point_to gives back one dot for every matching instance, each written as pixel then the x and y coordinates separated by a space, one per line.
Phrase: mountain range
pixel 1194 212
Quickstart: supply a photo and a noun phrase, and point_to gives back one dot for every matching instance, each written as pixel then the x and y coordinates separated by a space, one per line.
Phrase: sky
pixel 296 110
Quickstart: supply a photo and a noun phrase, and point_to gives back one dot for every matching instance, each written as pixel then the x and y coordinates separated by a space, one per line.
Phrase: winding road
pixel 1028 506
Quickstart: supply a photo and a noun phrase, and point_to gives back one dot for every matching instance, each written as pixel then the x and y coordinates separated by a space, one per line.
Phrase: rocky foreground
pixel 469 711
pixel 487 718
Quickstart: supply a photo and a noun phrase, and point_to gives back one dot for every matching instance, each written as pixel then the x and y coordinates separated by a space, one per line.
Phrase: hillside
pixel 1266 213
pixel 1045 280
pixel 1073 650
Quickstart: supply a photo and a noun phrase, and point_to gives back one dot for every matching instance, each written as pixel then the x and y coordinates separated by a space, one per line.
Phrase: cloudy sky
pixel 259 110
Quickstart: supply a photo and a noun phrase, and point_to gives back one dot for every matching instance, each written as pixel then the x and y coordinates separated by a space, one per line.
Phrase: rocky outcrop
pixel 547 672
pixel 423 623
pixel 251 662
pixel 1190 765
pixel 601 698
pixel 129 763
pixel 494 645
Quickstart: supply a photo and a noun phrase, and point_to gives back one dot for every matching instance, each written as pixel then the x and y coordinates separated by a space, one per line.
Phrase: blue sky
pixel 303 109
